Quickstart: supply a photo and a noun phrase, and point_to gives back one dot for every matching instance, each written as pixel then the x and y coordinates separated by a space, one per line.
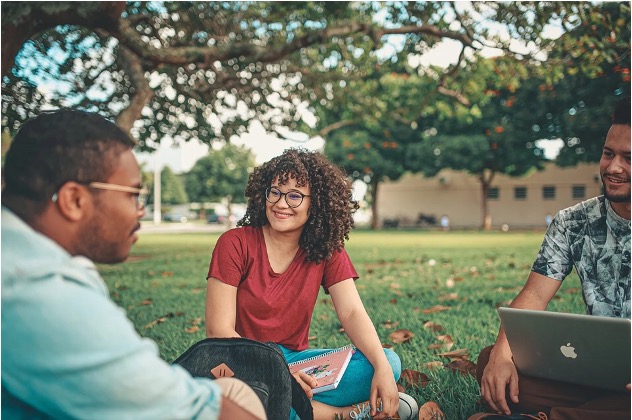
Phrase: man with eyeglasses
pixel 72 196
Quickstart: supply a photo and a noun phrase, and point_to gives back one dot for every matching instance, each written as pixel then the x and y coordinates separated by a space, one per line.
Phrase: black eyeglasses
pixel 292 198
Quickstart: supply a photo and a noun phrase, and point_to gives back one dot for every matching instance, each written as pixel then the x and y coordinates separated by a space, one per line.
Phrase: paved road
pixel 167 227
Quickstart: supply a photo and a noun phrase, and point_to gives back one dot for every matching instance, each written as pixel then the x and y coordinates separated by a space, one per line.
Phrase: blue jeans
pixel 355 385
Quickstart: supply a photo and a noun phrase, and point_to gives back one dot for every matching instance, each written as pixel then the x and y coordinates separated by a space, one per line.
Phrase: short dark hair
pixel 621 114
pixel 332 204
pixel 56 147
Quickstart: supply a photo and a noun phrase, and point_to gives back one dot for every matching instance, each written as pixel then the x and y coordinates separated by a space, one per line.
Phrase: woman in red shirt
pixel 264 278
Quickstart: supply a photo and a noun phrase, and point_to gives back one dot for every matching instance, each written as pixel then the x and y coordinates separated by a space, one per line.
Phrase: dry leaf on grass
pixel 386 346
pixel 572 290
pixel 414 378
pixel 401 336
pixel 167 273
pixel 448 296
pixel 390 324
pixel 455 354
pixel 464 367
pixel 197 321
pixel 431 411
pixel 447 340
pixel 395 289
pixel 146 302
pixel 393 301
pixel 311 337
pixel 159 320
pixel 429 325
pixel 436 308
pixel 432 365
pixel 446 343
pixel 192 329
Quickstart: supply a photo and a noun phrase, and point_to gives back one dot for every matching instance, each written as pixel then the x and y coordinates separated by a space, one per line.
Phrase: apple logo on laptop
pixel 568 351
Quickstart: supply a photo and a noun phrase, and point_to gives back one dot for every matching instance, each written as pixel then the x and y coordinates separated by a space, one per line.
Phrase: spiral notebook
pixel 327 368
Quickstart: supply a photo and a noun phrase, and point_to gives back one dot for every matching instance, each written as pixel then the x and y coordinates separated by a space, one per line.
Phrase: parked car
pixel 215 218
pixel 174 217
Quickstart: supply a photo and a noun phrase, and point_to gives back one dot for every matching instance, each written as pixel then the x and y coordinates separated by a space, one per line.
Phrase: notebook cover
pixel 327 368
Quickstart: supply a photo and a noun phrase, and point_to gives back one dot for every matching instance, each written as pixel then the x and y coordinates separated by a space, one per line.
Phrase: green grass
pixel 165 278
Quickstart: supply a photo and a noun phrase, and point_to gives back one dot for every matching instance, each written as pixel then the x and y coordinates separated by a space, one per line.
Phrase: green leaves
pixel 221 173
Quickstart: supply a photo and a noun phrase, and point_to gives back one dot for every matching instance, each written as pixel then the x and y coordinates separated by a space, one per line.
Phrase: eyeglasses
pixel 292 198
pixel 141 193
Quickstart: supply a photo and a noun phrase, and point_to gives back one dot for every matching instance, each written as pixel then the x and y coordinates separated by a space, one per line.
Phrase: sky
pixel 263 145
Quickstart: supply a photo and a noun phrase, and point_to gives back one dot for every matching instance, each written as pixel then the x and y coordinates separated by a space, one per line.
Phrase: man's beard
pixel 98 244
pixel 618 198
pixel 615 198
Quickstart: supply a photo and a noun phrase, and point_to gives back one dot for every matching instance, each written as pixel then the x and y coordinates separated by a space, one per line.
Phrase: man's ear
pixel 74 201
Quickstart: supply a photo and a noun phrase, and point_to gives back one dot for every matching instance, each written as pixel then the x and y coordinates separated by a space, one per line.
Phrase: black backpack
pixel 260 365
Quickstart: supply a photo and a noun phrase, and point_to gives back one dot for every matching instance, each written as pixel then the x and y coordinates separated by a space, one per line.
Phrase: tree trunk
pixel 373 187
pixel 230 220
pixel 486 181
pixel 157 194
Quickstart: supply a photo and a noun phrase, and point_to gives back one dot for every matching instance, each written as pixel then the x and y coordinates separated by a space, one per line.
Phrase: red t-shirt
pixel 270 306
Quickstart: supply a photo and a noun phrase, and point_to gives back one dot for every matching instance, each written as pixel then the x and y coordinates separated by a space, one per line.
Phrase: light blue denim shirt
pixel 68 351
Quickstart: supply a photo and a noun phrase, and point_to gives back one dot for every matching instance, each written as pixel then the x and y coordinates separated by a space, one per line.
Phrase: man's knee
pixel 483 359
pixel 242 395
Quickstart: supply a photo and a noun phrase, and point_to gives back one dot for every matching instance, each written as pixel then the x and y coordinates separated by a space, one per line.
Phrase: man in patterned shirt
pixel 594 237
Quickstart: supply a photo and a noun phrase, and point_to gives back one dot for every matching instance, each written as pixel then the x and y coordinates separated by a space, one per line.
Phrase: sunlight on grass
pixel 403 276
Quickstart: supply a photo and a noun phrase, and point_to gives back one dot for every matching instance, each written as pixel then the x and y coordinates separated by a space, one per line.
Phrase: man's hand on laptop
pixel 499 372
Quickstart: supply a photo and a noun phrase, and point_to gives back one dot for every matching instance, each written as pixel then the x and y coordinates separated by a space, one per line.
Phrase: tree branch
pixel 207 55
pixel 142 92
pixel 443 89
pixel 454 94
pixel 426 29
pixel 22 21
pixel 335 126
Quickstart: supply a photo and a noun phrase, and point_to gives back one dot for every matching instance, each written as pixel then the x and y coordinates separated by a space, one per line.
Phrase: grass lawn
pixel 404 277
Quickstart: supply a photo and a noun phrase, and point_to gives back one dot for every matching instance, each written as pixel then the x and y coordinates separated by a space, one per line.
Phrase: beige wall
pixel 458 195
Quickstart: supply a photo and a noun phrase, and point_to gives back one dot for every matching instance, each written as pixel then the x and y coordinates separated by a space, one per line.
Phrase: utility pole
pixel 157 197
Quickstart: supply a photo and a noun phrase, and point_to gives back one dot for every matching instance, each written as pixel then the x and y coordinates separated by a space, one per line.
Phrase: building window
pixel 520 193
pixel 578 192
pixel 493 193
pixel 548 192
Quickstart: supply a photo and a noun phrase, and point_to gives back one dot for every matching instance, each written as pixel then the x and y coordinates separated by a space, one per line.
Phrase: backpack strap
pixel 300 403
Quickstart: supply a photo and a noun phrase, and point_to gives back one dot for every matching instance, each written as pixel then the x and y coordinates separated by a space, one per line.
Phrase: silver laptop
pixel 580 349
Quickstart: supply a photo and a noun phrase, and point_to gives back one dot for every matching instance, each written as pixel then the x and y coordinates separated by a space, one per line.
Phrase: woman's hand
pixel 306 382
pixel 383 386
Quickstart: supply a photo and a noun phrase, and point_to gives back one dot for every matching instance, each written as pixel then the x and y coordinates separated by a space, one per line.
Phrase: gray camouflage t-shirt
pixel 596 240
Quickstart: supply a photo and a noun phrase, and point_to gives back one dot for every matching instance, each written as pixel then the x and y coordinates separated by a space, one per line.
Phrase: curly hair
pixel 332 205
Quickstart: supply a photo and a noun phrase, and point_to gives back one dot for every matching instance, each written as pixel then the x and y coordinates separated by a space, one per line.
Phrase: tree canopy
pixel 222 174
pixel 205 69
pixel 171 187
